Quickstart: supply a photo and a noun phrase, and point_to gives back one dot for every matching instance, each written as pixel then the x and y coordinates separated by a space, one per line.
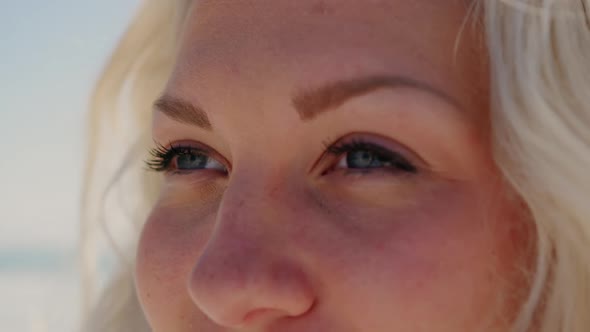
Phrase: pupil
pixel 191 161
pixel 361 159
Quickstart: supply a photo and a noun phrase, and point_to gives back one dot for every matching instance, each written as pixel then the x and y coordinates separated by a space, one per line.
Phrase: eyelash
pixel 162 156
pixel 399 162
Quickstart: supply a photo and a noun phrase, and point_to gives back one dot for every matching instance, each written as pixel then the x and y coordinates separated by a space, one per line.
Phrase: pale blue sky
pixel 50 55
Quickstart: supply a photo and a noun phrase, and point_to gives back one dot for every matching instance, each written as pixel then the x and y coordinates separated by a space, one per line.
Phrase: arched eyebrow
pixel 308 103
pixel 311 102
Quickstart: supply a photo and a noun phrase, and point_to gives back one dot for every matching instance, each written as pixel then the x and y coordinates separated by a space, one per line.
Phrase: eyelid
pixel 204 148
pixel 388 145
pixel 197 147
pixel 342 147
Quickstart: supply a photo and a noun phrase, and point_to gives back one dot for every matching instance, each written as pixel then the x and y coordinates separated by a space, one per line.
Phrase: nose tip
pixel 248 290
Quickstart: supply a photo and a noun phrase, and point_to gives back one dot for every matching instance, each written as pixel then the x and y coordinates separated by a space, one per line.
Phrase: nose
pixel 244 277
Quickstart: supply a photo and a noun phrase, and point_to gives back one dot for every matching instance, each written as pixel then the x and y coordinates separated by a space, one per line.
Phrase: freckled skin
pixel 283 243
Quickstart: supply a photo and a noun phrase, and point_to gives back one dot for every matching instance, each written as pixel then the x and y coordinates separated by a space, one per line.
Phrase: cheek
pixel 436 262
pixel 445 257
pixel 169 247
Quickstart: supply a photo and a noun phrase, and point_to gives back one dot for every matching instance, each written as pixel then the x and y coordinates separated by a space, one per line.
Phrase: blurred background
pixel 51 53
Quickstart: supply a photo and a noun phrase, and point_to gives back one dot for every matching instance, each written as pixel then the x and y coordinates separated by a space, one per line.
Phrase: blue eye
pixel 364 159
pixel 358 155
pixel 196 160
pixel 191 161
pixel 179 158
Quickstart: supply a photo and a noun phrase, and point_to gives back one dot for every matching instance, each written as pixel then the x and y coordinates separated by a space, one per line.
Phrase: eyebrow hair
pixel 308 103
pixel 183 111
pixel 311 102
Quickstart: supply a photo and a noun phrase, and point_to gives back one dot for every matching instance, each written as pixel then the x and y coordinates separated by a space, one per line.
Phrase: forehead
pixel 228 41
pixel 308 8
pixel 219 27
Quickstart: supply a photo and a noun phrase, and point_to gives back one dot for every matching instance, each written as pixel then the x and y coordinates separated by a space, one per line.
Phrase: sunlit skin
pixel 280 229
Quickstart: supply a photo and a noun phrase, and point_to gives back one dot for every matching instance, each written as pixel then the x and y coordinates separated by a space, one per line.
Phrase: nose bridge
pixel 243 268
pixel 256 194
pixel 247 194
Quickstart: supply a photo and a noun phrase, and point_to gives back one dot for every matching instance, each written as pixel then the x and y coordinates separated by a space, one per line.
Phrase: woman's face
pixel 330 170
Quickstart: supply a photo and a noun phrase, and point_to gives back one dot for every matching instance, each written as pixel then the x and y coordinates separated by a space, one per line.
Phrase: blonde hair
pixel 540 81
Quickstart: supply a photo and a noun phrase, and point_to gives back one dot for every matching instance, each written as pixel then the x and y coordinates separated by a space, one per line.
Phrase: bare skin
pixel 403 224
